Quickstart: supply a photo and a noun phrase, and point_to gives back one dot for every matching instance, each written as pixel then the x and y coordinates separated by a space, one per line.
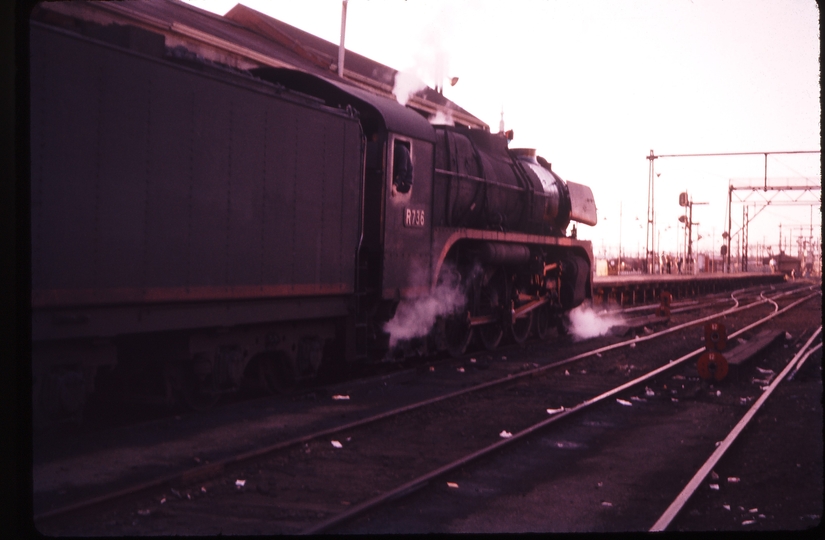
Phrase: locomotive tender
pixel 194 226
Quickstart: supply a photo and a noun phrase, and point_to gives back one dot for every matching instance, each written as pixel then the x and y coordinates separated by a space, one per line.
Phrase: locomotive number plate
pixel 413 217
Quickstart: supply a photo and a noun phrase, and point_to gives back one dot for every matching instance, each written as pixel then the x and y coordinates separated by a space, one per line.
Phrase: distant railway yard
pixel 624 422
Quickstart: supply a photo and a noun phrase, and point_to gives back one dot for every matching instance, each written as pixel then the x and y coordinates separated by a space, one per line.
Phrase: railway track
pixel 705 470
pixel 299 508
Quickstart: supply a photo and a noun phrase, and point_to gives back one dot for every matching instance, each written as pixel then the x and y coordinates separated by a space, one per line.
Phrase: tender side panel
pixel 153 182
pixel 165 110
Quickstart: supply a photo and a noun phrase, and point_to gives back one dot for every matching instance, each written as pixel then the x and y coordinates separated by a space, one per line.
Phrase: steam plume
pixel 406 84
pixel 586 323
pixel 442 117
pixel 415 318
pixel 431 58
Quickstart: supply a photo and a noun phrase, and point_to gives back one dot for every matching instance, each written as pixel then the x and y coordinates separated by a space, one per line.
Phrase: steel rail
pixel 212 469
pixel 423 480
pixel 691 487
pixel 802 361
pixel 689 305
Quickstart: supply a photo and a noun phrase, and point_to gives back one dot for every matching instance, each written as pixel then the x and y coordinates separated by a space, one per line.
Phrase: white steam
pixel 406 84
pixel 585 323
pixel 416 317
pixel 431 57
pixel 442 118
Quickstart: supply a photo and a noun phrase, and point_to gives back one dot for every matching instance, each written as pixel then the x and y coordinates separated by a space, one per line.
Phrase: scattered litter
pixel 203 490
pixel 765 371
pixel 349 439
pixel 649 392
pixel 505 434
pixel 717 444
pixel 460 370
pixel 714 487
pixel 599 355
pixel 733 480
pixel 163 500
pixel 741 508
pixel 336 444
pixel 623 402
pixel 761 516
pixel 788 335
pixel 189 496
pixel 714 475
pixel 748 522
pixel 632 345
pixel 718 393
pixel 637 398
pixel 753 510
pixel 452 485
pixel 240 483
pixel 760 382
pixel 741 341
pixel 647 330
pixel 600 484
pixel 567 444
pixel 583 372
pixel 566 372
pixel 339 397
pixel 744 400
pixel 432 368
pixel 674 400
pixel 607 504
pixel 726 507
pixel 144 512
pixel 678 377
pixel 554 411
pixel 472 360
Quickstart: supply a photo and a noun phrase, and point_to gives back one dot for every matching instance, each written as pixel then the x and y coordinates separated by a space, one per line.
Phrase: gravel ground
pixel 619 469
pixel 615 469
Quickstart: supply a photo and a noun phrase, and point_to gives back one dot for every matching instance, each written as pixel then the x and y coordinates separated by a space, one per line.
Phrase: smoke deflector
pixel 582 204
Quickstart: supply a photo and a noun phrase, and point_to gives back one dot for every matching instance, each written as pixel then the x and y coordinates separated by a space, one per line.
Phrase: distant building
pixel 245 39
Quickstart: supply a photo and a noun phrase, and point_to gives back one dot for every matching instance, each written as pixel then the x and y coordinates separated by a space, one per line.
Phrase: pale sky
pixel 594 85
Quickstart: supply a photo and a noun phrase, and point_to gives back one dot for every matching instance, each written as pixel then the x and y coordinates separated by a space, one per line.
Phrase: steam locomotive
pixel 195 228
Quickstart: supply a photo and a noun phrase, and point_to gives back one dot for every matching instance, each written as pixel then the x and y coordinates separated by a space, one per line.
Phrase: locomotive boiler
pixel 196 228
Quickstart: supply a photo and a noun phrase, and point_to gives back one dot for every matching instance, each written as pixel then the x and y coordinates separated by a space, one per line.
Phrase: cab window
pixel 402 169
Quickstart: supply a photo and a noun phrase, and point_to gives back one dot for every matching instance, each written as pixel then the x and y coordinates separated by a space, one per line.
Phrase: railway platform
pixel 634 289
